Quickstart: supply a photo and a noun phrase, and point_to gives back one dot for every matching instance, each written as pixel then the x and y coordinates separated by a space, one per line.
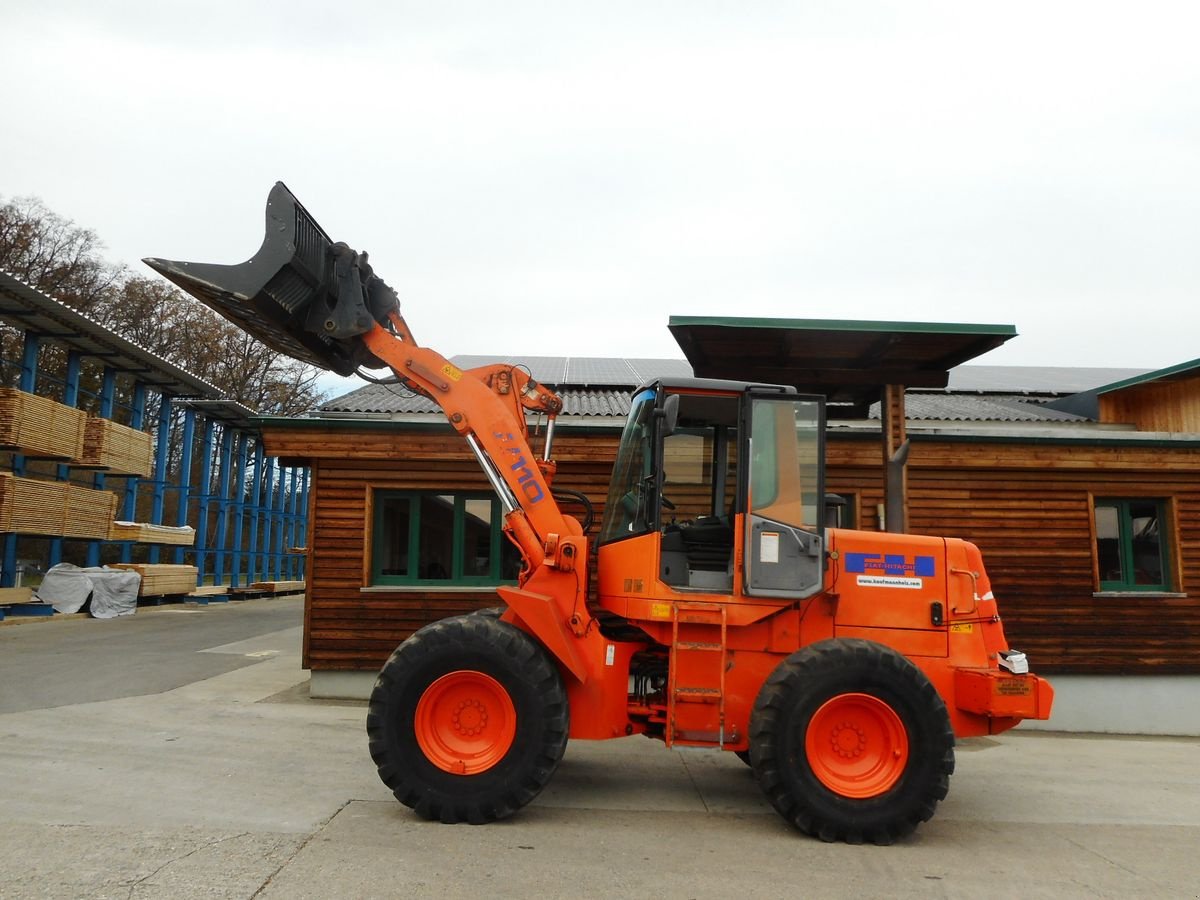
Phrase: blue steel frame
pixel 249 486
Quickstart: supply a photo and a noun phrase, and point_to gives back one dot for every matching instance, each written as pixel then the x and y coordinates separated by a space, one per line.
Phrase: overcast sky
pixel 559 178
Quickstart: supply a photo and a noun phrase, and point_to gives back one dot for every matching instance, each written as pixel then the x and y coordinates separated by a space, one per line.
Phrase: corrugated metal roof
pixel 600 387
pixel 589 386
pixel 28 308
pixel 382 399
pixel 585 370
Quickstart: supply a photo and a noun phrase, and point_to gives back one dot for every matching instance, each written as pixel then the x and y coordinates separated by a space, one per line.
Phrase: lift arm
pixel 321 302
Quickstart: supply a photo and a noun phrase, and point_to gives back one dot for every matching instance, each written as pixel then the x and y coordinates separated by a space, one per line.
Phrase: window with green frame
pixel 428 538
pixel 1131 544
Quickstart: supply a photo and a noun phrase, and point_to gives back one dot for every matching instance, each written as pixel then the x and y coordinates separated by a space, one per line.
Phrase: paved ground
pixel 176 754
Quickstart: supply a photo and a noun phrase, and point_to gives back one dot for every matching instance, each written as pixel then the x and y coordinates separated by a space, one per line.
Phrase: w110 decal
pixel 890 570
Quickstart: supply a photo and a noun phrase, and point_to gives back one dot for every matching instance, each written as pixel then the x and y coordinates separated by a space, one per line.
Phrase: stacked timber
pixel 278 587
pixel 144 532
pixel 15 596
pixel 209 590
pixel 159 579
pixel 120 450
pixel 30 506
pixel 40 427
pixel 89 513
pixel 54 508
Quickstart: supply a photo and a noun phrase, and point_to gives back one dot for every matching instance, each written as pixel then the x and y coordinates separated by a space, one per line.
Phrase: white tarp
pixel 66 587
pixel 113 591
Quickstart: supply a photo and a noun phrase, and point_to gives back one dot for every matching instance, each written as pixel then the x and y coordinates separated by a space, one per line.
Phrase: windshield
pixel 628 510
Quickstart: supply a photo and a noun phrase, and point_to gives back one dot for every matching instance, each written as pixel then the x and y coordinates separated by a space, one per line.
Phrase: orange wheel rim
pixel 857 746
pixel 465 722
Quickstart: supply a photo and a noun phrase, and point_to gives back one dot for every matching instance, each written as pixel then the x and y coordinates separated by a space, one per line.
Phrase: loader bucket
pixel 300 294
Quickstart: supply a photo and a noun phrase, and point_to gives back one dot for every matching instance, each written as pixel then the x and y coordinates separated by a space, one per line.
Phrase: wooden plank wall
pixel 1025 505
pixel 347 627
pixel 1027 508
pixel 1172 406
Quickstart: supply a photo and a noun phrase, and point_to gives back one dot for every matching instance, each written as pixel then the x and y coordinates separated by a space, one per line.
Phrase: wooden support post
pixel 895 457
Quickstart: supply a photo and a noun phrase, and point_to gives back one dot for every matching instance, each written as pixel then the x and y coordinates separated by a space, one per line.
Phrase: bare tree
pixel 60 258
pixel 55 255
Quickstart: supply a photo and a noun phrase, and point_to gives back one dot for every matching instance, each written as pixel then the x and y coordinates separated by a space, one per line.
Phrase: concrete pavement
pixel 232 783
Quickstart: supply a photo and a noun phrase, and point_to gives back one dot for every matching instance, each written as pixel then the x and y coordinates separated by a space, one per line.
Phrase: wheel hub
pixel 848 741
pixel 465 722
pixel 856 745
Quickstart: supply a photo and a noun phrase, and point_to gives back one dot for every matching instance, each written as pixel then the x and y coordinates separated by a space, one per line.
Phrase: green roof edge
pixel 844 325
pixel 1149 376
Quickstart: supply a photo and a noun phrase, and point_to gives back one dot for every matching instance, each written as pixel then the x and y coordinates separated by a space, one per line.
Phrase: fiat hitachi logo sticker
pixel 890 570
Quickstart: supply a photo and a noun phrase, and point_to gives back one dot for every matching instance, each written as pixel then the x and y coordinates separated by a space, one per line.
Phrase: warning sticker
pixel 884 581
pixel 962 628
pixel 452 372
pixel 660 610
pixel 1013 687
pixel 768 551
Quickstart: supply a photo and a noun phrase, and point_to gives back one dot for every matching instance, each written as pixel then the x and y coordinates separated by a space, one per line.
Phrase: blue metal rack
pixel 244 528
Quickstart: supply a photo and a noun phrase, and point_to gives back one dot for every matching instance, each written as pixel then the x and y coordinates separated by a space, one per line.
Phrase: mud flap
pixel 301 294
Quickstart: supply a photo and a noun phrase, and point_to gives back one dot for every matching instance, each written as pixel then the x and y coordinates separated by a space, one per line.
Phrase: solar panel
pixel 591 371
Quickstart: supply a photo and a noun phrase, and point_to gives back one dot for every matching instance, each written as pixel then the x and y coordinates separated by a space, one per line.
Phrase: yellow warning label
pixel 1012 687
pixel 452 372
pixel 660 610
pixel 962 628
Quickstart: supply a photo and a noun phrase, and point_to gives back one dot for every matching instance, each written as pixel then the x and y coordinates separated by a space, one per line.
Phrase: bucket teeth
pixel 301 294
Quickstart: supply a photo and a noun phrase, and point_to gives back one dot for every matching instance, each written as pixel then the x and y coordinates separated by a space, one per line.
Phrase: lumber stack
pixel 54 508
pixel 162 578
pixel 209 590
pixel 37 426
pixel 120 450
pixel 30 506
pixel 89 513
pixel 278 587
pixel 9 596
pixel 144 532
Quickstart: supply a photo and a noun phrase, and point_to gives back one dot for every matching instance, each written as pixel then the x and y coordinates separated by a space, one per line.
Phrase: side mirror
pixel 669 413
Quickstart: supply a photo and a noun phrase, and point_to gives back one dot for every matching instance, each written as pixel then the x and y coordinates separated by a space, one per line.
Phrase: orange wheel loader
pixel 840 665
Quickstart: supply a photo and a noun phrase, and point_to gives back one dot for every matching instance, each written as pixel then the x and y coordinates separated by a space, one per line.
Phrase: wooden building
pixel 1081 487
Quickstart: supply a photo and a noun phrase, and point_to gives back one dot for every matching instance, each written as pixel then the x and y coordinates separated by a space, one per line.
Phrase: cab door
pixel 783 460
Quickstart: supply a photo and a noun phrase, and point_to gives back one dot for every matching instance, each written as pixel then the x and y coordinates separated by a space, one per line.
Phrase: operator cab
pixel 709 465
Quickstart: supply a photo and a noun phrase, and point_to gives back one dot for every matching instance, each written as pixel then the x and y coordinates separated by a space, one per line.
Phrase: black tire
pixel 517 668
pixel 841 671
pixel 491 612
pixel 744 756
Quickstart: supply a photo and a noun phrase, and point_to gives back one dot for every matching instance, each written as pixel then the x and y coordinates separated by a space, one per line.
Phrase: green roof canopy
pixel 846 360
